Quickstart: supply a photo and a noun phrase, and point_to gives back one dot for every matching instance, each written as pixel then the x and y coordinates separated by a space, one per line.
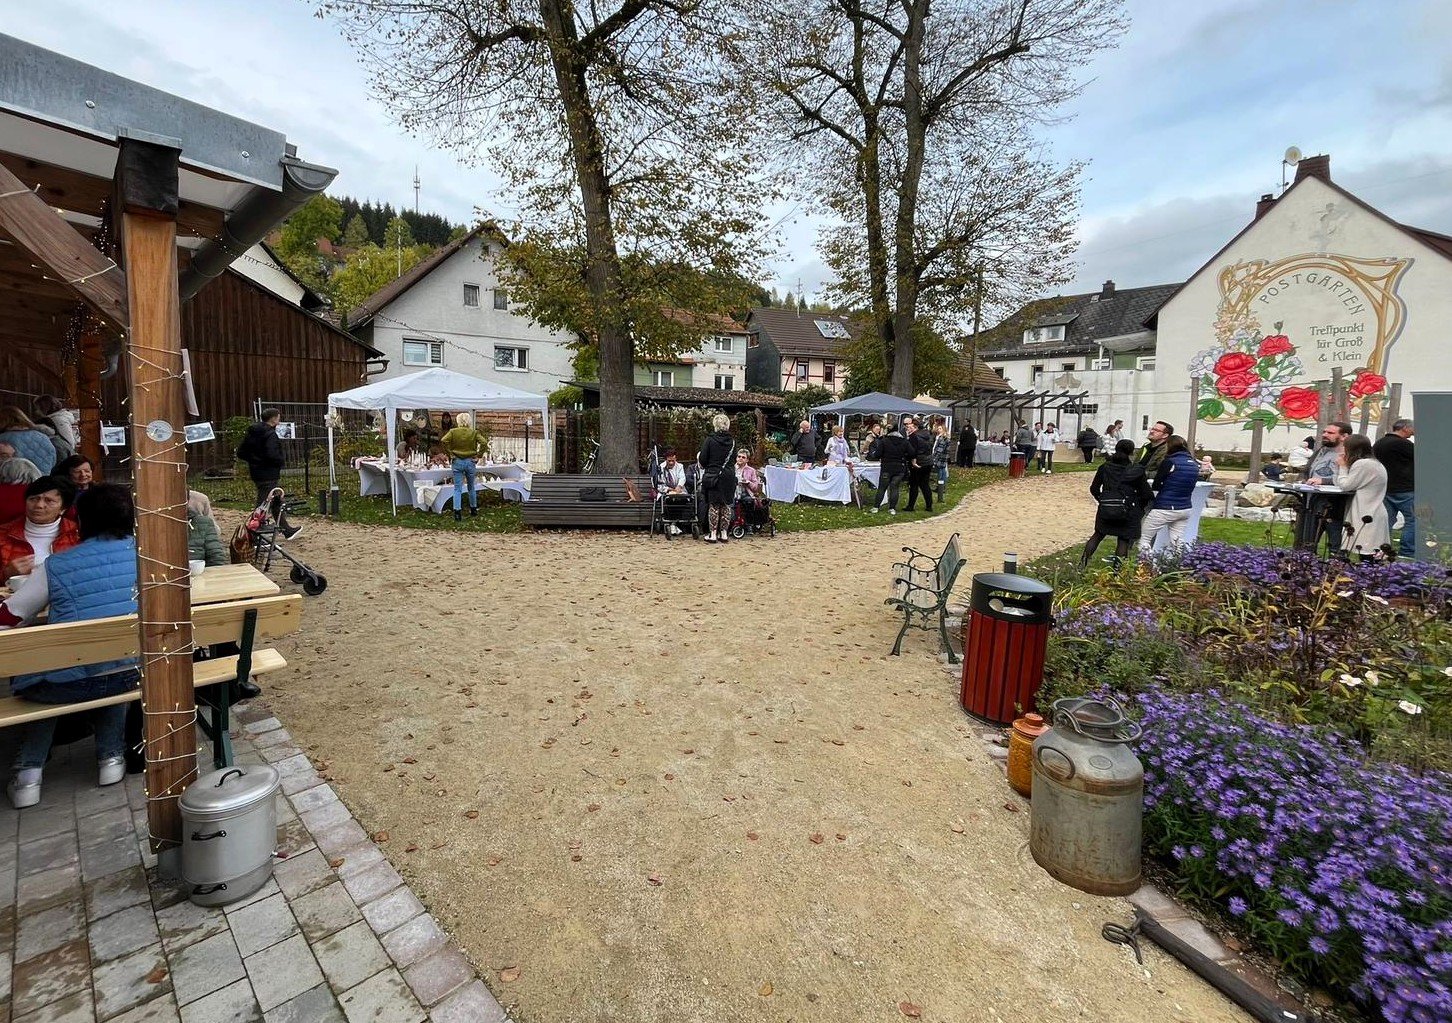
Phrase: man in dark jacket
pixel 802 445
pixel 921 471
pixel 1397 452
pixel 967 441
pixel 1088 442
pixel 1153 452
pixel 897 455
pixel 262 452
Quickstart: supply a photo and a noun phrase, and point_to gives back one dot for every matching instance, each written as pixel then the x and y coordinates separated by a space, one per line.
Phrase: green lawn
pixel 498 516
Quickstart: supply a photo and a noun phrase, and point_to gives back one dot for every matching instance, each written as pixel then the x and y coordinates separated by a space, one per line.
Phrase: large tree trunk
pixel 905 306
pixel 618 452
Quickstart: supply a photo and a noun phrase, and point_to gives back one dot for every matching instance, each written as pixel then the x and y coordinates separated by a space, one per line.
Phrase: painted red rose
pixel 1234 362
pixel 1367 384
pixel 1275 344
pixel 1300 403
pixel 1237 385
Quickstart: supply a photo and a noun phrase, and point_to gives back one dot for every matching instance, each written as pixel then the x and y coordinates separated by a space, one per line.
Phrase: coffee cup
pixel 196 567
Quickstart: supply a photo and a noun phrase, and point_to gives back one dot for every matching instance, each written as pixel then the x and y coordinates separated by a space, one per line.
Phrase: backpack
pixel 1121 505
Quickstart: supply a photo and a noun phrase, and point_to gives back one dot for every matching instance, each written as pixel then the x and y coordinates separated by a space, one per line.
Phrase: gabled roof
pixel 796 333
pixel 1318 167
pixel 1088 319
pixel 375 303
pixel 977 375
pixel 311 300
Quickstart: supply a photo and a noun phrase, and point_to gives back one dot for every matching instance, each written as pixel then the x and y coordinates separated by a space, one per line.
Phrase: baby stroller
pixel 263 532
pixel 752 515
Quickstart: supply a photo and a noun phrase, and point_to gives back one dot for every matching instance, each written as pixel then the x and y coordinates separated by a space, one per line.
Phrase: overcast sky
pixel 1184 124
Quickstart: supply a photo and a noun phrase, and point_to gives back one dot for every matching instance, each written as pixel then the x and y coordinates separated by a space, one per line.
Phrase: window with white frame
pixel 511 358
pixel 1068 367
pixel 1145 362
pixel 471 295
pixel 417 352
pixel 1037 335
pixel 663 377
pixel 501 298
pixel 725 383
pixel 723 343
pixel 803 369
pixel 1100 364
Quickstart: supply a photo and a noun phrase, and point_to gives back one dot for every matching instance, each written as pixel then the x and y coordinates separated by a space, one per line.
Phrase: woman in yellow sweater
pixel 464 444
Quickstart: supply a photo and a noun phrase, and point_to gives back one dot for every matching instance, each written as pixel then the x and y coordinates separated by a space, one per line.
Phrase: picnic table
pixel 822 482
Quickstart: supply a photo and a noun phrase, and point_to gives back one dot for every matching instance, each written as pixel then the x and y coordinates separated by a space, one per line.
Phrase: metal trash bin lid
pixel 230 792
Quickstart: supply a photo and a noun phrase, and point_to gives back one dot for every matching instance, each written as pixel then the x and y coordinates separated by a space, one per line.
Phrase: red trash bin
pixel 1005 638
pixel 1017 463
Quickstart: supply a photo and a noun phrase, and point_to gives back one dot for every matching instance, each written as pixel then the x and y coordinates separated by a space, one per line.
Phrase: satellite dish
pixel 1293 155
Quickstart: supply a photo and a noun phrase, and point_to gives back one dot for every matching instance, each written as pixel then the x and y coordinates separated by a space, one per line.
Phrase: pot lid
pixel 229 789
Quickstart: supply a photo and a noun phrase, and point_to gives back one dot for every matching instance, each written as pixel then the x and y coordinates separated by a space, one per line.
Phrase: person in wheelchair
pixel 752 511
pixel 670 488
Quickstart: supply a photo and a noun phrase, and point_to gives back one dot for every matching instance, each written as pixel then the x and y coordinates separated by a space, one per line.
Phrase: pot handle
pixel 209 889
pixel 236 770
pixel 197 836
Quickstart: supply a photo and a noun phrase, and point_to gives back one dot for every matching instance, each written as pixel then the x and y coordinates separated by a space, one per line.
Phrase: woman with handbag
pixel 718 478
pixel 1123 492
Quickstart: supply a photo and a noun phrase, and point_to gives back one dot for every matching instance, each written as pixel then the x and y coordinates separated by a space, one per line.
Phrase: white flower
pixel 1431 543
pixel 1408 707
pixel 1343 593
pixel 1447 672
pixel 1374 597
pixel 1373 679
pixel 1350 681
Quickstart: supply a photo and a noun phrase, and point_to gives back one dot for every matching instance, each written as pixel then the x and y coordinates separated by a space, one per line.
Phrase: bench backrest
pixel 950 564
pixel 566 487
pixel 48 647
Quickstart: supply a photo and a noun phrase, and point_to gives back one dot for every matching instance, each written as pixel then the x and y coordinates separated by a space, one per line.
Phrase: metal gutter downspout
pixel 249 223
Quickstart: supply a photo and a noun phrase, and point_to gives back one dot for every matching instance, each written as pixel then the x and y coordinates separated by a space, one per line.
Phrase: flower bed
pixel 1341 869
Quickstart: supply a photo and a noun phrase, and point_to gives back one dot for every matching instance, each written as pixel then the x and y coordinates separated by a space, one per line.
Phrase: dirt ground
pixel 648 781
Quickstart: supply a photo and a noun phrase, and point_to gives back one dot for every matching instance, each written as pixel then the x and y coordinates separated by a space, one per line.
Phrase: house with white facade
pixel 717 363
pixel 1318 280
pixel 1101 342
pixel 451 310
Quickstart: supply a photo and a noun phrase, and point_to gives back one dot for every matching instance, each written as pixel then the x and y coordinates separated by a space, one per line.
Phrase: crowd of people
pixel 67 551
pixel 1147 497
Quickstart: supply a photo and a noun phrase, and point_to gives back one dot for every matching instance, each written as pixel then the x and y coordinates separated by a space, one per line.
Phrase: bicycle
pixel 589 465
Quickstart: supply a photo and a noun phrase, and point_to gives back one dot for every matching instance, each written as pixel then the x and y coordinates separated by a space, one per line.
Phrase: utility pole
pixel 415 189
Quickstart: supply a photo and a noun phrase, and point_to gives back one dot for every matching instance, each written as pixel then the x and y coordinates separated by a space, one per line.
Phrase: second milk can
pixel 1088 798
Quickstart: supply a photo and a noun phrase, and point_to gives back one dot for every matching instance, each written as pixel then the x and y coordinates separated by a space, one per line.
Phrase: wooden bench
pixel 921 586
pixel 554 500
pixel 49 647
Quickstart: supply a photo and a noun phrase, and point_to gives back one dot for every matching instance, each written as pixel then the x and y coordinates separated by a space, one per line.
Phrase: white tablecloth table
pixel 825 483
pixel 372 478
pixel 988 453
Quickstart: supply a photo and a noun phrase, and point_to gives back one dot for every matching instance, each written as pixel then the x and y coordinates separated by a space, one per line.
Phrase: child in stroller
pixel 751 512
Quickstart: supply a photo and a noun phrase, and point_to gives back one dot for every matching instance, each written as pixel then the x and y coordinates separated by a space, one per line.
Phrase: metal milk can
pixel 229 833
pixel 1088 798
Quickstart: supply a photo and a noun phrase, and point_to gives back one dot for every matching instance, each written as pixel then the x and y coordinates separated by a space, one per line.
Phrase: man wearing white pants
pixel 1174 486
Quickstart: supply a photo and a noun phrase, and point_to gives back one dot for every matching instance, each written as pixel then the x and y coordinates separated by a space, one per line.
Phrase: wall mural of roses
pixel 1248 377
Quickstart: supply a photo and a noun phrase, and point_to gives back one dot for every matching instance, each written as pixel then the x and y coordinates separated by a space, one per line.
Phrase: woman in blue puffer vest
pixel 1174 486
pixel 96 579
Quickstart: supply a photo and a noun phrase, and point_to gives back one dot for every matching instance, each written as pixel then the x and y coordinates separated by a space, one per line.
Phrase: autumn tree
pixel 912 123
pixel 607 123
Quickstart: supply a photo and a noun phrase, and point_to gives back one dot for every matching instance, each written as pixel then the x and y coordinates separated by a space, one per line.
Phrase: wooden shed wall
pixel 244 342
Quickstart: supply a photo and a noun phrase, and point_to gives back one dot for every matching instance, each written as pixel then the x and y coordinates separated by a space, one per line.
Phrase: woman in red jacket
pixel 43 530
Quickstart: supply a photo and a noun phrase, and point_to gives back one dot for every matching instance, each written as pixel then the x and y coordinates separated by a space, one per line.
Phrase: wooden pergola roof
pixel 117 203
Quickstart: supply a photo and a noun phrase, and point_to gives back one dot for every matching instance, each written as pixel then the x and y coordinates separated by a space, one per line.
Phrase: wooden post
pixel 89 363
pixel 1365 423
pixel 1323 408
pixel 1194 412
pixel 146 204
pixel 1257 438
pixel 1391 413
pixel 1338 396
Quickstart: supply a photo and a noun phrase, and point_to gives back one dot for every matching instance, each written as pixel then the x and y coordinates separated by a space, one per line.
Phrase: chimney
pixel 1263 206
pixel 1314 167
pixel 1107 292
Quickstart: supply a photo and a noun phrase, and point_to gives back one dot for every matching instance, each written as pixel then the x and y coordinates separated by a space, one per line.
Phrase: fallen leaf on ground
pixel 410 848
pixel 670 777
pixel 509 974
pixel 380 836
pixel 410 760
pixel 493 861
pixel 841 837
pixel 858 728
pixel 910 1010
pixel 472 814
pixel 336 862
pixel 592 807
pixel 576 858
pixel 389 767
pixel 752 836
pixel 156 976
pixel 655 879
pixel 815 838
pixel 1011 807
pixel 765 990
pixel 957 829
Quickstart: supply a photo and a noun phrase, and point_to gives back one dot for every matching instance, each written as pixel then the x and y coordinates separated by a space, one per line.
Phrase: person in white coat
pixel 1046 442
pixel 1367 529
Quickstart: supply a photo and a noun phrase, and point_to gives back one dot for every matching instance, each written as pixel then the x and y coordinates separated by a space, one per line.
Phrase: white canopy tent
pixel 435 390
